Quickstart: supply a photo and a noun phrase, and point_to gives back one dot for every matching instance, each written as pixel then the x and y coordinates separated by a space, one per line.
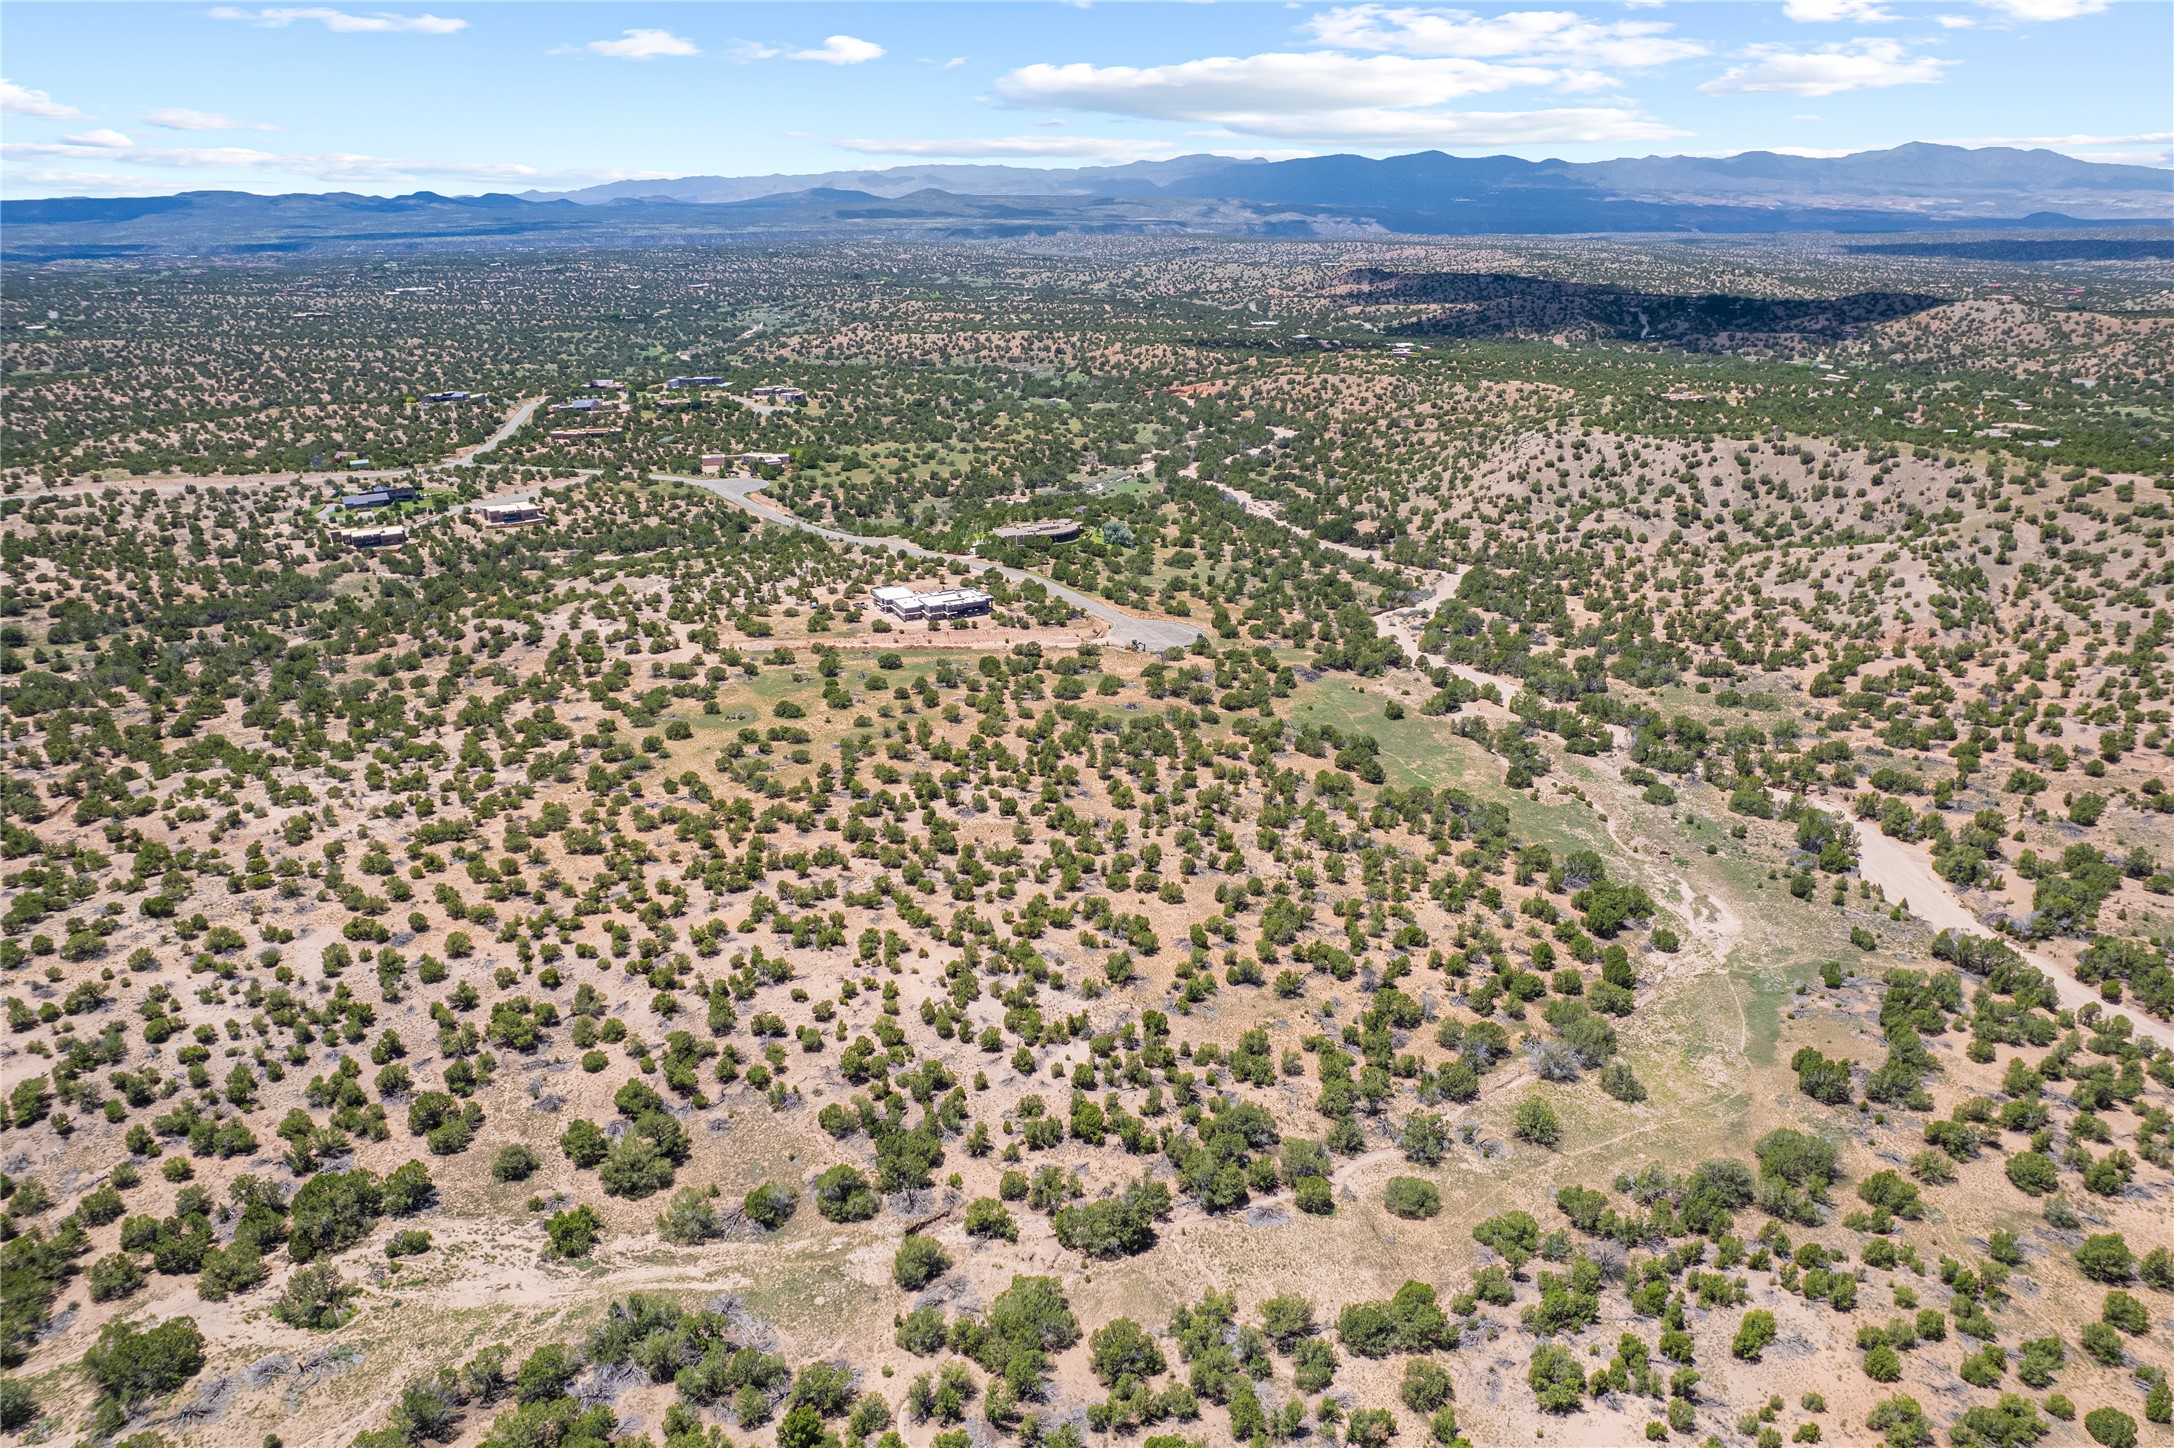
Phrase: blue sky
pixel 125 99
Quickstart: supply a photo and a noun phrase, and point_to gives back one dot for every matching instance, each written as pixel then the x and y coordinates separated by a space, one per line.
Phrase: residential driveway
pixel 1126 630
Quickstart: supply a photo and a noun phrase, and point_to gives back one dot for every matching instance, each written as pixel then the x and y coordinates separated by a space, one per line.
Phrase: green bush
pixel 315 1297
pixel 332 1211
pixel 2104 1344
pixel 231 1269
pixel 922 1331
pixel 1903 1420
pixel 1122 1348
pixel 513 1163
pixel 1412 1198
pixel 114 1276
pixel 2110 1427
pixel 988 1217
pixel 1556 1379
pixel 1426 1385
pixel 2013 1422
pixel 574 1233
pixel 1314 1196
pixel 1621 1082
pixel 634 1168
pixel 842 1194
pixel 2105 1257
pixel 1753 1335
pixel 690 1219
pixel 584 1143
pixel 1120 1226
pixel 1537 1123
pixel 129 1365
pixel 770 1206
pixel 2033 1172
pixel 408 1190
pixel 918 1262
pixel 2126 1313
pixel 18 1405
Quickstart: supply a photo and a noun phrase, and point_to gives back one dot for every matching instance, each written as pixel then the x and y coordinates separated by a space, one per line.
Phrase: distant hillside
pixel 1136 178
pixel 1909 188
pixel 1940 182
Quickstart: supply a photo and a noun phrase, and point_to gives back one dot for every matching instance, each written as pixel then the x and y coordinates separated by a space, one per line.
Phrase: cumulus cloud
pixel 1556 36
pixel 1823 12
pixel 2045 9
pixel 1081 147
pixel 182 118
pixel 1214 88
pixel 279 17
pixel 841 50
pixel 1330 97
pixel 19 100
pixel 643 44
pixel 1853 65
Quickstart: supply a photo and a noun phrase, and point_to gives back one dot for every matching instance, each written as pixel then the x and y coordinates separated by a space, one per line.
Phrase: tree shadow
pixel 1504 305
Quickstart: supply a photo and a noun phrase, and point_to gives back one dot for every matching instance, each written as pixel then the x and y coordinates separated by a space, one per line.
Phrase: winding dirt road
pixel 1903 873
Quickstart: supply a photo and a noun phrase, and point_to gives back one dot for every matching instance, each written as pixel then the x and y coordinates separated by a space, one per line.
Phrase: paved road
pixel 1126 630
pixel 517 420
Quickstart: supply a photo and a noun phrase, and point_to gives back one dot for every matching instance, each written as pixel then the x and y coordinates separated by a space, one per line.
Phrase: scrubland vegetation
pixel 1642 915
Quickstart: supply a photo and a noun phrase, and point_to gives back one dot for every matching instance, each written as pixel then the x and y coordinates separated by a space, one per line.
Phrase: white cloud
pixel 2145 148
pixel 279 17
pixel 19 100
pixel 1328 97
pixel 1956 22
pixel 746 52
pixel 2045 9
pixel 47 181
pixel 1556 36
pixel 1854 65
pixel 1440 128
pixel 1079 147
pixel 841 50
pixel 340 167
pixel 643 44
pixel 1214 88
pixel 181 118
pixel 1824 12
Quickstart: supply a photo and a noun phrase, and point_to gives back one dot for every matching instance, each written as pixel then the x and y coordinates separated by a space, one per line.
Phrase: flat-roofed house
pixel 1054 530
pixel 378 498
pixel 374 537
pixel 909 605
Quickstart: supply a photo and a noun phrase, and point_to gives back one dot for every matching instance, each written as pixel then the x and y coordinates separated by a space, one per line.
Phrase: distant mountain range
pixel 1916 187
pixel 1942 182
